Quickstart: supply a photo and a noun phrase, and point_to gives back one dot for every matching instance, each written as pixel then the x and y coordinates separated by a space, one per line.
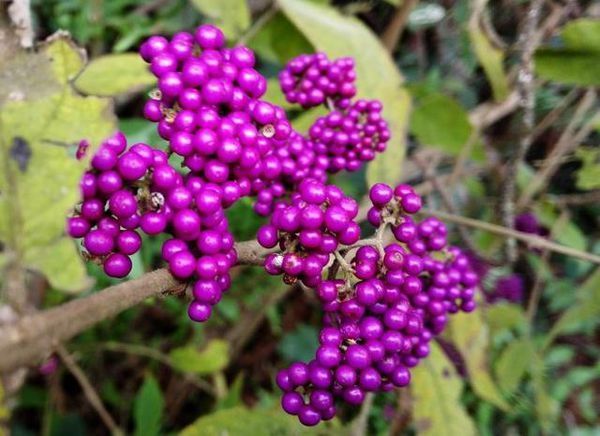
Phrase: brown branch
pixel 529 239
pixel 525 90
pixel 35 336
pixel 569 139
pixel 393 32
pixel 88 390
pixel 579 199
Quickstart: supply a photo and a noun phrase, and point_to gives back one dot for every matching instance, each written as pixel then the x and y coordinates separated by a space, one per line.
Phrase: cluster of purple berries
pixel 110 211
pixel 352 136
pixel 380 315
pixel 136 188
pixel 308 230
pixel 382 306
pixel 312 79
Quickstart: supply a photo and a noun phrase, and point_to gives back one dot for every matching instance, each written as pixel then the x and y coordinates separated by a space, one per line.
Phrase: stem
pixel 88 390
pixel 258 24
pixel 531 240
pixel 393 31
pixel 525 88
pixel 35 336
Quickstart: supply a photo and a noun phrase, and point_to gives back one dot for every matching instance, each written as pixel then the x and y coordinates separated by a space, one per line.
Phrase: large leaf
pixel 377 75
pixel 213 358
pixel 148 408
pixel 470 335
pixel 502 316
pixel 513 363
pixel 39 176
pixel 242 421
pixel 232 16
pixel 440 121
pixel 490 57
pixel 114 74
pixel 578 61
pixel 586 308
pixel 436 390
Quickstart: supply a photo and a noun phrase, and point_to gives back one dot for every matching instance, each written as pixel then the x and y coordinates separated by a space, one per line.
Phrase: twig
pixel 553 115
pixel 392 33
pixel 536 291
pixel 258 24
pixel 567 141
pixel 141 350
pixel 579 199
pixel 525 89
pixel 461 160
pixel 88 390
pixel 429 171
pixel 529 239
pixel 360 425
pixel 34 336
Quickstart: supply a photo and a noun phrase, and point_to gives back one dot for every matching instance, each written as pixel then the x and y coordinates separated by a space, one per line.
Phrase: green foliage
pixel 338 35
pixel 299 344
pixel 213 358
pixel 470 335
pixel 39 176
pixel 567 232
pixel 239 420
pixel 490 57
pixel 232 16
pixel 578 61
pixel 513 364
pixel 148 408
pixel 588 176
pixel 436 390
pixel 440 121
pixel 115 74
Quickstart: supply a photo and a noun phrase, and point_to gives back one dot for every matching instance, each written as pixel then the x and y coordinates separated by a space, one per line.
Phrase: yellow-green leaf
pixel 114 74
pixel 232 16
pixel 503 316
pixel 436 389
pixel 588 176
pixel 377 75
pixel 490 57
pixel 513 363
pixel 243 421
pixel 213 358
pixel 39 176
pixel 470 335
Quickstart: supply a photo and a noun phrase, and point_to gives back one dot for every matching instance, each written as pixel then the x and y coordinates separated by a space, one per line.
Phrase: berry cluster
pixel 308 230
pixel 312 79
pixel 380 315
pixel 109 214
pixel 383 303
pixel 352 136
pixel 208 107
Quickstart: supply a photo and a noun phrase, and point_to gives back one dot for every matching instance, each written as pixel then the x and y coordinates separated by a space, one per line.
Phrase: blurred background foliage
pixel 446 73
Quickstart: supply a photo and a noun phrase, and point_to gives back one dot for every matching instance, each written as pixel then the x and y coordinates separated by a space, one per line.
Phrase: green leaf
pixel 114 74
pixel 436 389
pixel 270 46
pixel 39 176
pixel 567 233
pixel 232 16
pixel 213 358
pixel 440 121
pixel 490 57
pixel 588 176
pixel 546 407
pixel 470 335
pixel 148 408
pixel 578 61
pixel 513 364
pixel 587 307
pixel 299 344
pixel 242 421
pixel 233 397
pixel 338 36
pixel 504 316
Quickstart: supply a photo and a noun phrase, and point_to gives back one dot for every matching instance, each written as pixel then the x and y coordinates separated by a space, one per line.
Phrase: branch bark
pixel 394 29
pixel 35 336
